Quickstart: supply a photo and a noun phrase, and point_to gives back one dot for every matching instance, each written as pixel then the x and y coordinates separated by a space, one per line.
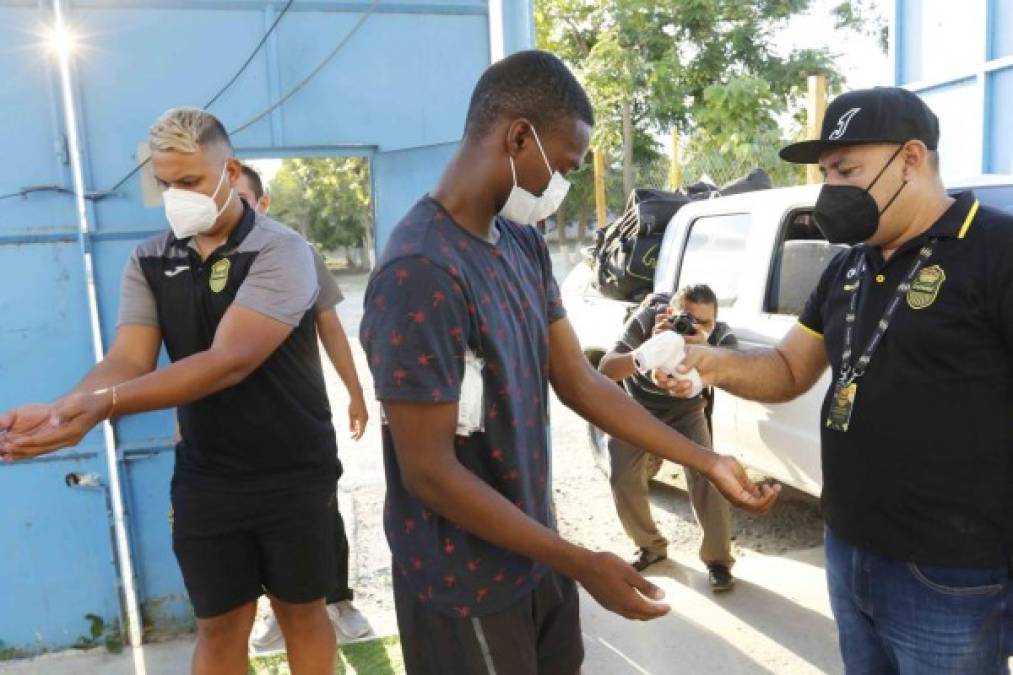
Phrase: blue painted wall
pixel 397 92
pixel 959 57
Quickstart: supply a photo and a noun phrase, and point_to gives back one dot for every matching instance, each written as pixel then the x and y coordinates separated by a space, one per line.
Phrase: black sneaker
pixel 645 559
pixel 720 577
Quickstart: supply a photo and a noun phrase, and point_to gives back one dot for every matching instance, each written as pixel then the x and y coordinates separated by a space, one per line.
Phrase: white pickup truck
pixel 762 254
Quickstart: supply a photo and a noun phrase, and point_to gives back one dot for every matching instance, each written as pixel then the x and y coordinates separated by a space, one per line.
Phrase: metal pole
pixel 675 171
pixel 497 31
pixel 601 207
pixel 816 108
pixel 131 610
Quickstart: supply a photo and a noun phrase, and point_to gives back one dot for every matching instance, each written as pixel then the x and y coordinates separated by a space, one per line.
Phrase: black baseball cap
pixel 867 116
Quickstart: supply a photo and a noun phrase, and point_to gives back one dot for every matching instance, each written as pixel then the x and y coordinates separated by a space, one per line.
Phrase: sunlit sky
pixel 267 169
pixel 859 57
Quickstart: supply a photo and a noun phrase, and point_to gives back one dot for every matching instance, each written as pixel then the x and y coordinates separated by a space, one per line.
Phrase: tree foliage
pixel 708 68
pixel 325 198
pixel 863 16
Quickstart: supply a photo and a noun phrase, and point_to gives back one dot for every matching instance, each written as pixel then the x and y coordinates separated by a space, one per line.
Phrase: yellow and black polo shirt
pixel 923 472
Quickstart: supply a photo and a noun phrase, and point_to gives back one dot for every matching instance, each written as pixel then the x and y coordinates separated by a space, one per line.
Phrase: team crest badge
pixel 220 275
pixel 925 288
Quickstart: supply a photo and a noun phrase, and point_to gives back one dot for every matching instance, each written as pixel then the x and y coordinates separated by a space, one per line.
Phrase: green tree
pixel 327 199
pixel 738 126
pixel 863 16
pixel 705 67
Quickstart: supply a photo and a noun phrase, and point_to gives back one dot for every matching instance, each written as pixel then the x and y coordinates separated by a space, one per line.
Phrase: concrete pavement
pixel 776 620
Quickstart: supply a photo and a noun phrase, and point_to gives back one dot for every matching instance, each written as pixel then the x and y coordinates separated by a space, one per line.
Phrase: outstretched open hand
pixel 38 429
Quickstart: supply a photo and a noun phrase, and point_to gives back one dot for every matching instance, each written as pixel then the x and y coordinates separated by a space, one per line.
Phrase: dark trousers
pixel 341 590
pixel 631 470
pixel 537 635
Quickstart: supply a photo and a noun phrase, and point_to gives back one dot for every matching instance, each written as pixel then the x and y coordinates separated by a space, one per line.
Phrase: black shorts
pixel 233 547
pixel 539 635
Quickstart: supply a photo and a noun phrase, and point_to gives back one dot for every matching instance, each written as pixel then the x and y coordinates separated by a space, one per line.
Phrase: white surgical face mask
pixel 191 213
pixel 524 208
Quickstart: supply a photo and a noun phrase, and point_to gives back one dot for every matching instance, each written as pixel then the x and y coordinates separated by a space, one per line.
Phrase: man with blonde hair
pixel 230 293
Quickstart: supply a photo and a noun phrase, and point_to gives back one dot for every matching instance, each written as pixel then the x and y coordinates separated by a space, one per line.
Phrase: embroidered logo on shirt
pixel 925 288
pixel 174 272
pixel 219 275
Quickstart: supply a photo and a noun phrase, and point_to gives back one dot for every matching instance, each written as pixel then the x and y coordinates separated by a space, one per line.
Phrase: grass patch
pixel 373 657
pixel 11 653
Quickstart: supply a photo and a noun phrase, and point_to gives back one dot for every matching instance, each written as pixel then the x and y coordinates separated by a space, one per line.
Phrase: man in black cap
pixel 916 321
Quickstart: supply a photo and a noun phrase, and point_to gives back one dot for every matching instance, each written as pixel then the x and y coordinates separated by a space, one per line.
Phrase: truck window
pixel 802 255
pixel 715 255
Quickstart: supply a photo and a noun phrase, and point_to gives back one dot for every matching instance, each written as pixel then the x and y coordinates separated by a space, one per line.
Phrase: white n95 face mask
pixel 524 208
pixel 190 213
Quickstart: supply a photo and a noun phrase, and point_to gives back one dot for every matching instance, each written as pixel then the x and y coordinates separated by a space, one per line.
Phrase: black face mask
pixel 849 215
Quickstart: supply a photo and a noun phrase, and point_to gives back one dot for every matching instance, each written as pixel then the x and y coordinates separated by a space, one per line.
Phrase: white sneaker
pixel 266 636
pixel 348 620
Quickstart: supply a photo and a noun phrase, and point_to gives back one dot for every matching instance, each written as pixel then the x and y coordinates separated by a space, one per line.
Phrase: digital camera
pixel 684 323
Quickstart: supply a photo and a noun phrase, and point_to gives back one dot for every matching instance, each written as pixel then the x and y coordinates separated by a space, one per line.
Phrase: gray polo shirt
pixel 273 429
pixel 330 293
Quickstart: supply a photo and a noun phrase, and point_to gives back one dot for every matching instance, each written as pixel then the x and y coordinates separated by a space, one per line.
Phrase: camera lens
pixel 683 325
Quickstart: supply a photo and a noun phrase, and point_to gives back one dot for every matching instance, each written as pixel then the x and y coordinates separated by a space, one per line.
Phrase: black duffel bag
pixel 625 253
pixel 757 179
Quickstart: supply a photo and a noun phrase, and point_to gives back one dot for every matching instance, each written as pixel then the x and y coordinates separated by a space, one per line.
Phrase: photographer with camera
pixel 692 313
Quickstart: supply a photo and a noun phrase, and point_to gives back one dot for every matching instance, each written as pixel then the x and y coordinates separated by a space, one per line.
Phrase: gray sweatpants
pixel 632 468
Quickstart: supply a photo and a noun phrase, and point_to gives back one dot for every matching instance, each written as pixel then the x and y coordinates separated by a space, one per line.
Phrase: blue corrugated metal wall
pixel 397 92
pixel 959 57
